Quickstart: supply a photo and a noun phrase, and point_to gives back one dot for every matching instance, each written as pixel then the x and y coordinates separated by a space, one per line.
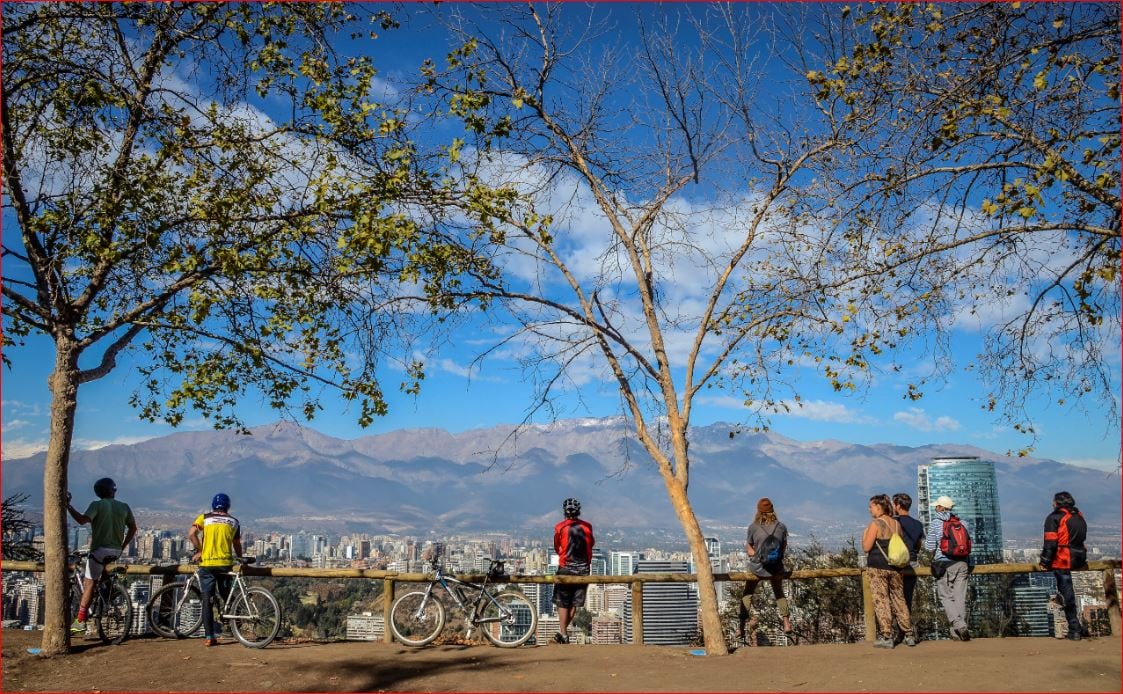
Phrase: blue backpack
pixel 770 552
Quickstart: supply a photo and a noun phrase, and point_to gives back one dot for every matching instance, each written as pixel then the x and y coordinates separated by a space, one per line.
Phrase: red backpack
pixel 955 543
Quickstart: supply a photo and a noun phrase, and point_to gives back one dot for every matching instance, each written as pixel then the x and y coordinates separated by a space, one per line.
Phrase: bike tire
pixel 176 610
pixel 416 619
pixel 256 618
pixel 517 627
pixel 114 615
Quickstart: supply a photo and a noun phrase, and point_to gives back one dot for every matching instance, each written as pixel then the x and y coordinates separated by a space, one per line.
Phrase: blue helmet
pixel 220 502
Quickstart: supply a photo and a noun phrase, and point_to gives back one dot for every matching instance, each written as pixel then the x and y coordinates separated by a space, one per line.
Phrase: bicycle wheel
pixel 255 618
pixel 176 610
pixel 416 618
pixel 114 613
pixel 515 620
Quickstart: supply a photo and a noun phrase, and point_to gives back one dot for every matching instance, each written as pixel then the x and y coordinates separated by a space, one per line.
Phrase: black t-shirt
pixel 912 532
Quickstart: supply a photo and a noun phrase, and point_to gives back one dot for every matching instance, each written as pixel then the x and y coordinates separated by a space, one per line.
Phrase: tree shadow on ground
pixel 404 672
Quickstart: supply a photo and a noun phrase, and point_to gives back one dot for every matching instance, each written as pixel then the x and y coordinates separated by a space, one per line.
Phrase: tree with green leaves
pixel 984 179
pixel 214 192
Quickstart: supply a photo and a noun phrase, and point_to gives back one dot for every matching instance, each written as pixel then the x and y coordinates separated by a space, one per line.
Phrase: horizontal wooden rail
pixel 635 581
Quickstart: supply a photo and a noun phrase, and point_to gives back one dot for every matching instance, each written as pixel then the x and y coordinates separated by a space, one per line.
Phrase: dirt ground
pixel 152 664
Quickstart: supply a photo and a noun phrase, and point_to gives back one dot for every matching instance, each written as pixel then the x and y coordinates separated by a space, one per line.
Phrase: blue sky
pixel 458 395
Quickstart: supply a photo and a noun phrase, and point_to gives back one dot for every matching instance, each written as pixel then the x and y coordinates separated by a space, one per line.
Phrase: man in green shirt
pixel 110 520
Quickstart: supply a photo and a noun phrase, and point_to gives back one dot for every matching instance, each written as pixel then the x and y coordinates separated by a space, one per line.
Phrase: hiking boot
pixel 883 643
pixel 1073 635
pixel 910 640
pixel 560 637
pixel 964 635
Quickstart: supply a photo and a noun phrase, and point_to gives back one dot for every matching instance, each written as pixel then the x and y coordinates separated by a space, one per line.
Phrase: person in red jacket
pixel 1063 553
pixel 573 541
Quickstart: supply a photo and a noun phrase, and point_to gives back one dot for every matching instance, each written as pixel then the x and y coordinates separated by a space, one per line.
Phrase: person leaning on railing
pixel 1063 552
pixel 217 537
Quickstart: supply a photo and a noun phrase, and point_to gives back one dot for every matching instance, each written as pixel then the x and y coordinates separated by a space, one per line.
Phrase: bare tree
pixel 17 545
pixel 657 229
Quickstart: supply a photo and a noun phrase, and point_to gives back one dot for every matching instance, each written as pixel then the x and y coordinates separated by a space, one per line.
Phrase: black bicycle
pixel 507 619
pixel 111 609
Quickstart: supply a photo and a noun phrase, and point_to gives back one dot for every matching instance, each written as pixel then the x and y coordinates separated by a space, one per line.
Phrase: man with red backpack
pixel 1063 553
pixel 949 540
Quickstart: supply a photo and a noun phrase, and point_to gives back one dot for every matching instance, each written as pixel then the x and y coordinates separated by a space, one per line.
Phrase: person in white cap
pixel 950 573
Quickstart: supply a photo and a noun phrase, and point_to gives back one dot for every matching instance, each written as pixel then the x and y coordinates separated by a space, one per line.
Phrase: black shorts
pixel 569 595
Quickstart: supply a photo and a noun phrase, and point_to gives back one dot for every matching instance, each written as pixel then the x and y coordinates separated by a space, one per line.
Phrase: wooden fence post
pixel 867 608
pixel 387 603
pixel 637 613
pixel 1111 597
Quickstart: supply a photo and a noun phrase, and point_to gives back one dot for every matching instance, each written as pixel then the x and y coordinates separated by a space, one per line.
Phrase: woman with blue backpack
pixel 766 541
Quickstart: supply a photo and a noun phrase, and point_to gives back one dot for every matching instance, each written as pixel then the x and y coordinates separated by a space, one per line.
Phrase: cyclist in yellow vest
pixel 217 538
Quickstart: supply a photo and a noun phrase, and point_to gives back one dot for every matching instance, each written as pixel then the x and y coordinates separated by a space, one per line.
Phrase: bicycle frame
pixel 78 576
pixel 473 608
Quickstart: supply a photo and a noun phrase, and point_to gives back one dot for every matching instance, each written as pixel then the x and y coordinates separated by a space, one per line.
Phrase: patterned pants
pixel 887 590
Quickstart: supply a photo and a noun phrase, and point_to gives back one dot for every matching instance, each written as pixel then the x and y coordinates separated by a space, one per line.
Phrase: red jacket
pixel 1065 530
pixel 573 541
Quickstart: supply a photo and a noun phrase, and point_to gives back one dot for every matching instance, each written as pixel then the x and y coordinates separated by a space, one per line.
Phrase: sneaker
pixel 77 627
pixel 560 638
pixel 1073 635
pixel 883 643
pixel 210 642
pixel 964 635
pixel 910 640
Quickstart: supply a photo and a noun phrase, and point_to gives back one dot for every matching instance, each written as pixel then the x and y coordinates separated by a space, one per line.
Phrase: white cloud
pixel 14 424
pixel 919 419
pixel 94 444
pixel 815 410
pixel 20 448
pixel 1105 464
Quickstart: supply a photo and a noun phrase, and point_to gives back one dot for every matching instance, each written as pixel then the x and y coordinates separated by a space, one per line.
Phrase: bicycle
pixel 507 620
pixel 111 609
pixel 252 613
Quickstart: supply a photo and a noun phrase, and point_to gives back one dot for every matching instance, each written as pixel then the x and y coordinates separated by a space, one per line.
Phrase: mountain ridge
pixel 507 477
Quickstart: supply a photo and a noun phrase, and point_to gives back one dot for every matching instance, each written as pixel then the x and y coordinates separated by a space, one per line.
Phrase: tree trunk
pixel 712 631
pixel 63 383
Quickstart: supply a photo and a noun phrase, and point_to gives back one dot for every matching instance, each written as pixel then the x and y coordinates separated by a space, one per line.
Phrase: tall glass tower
pixel 972 485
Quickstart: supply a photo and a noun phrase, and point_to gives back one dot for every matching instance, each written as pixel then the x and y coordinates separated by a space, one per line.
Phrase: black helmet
pixel 571 508
pixel 105 488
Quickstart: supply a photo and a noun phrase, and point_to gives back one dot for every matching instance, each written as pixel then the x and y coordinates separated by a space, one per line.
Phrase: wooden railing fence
pixel 636 581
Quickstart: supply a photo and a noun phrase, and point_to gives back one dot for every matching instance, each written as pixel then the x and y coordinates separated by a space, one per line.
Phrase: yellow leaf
pixel 1039 81
pixel 1026 212
pixel 1058 23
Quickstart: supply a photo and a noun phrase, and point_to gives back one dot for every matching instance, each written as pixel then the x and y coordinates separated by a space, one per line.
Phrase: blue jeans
pixel 209 578
pixel 1064 587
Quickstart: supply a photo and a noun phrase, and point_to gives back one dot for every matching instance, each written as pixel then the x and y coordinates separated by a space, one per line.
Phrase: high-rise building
pixel 623 563
pixel 1031 603
pixel 972 485
pixel 540 595
pixel 599 564
pixel 670 610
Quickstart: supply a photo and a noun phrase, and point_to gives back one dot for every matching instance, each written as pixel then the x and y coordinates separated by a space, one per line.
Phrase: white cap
pixel 945 501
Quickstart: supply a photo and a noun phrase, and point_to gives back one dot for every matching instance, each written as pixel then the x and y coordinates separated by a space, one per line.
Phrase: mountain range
pixel 288 476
